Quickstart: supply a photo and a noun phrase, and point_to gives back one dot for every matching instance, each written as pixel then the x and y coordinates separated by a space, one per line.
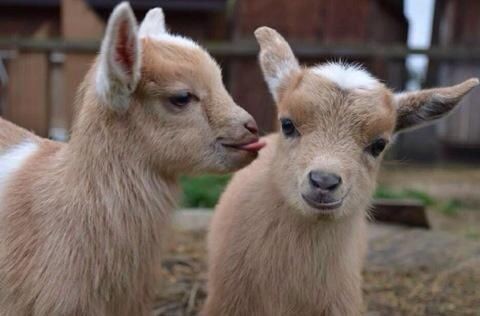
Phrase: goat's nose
pixel 251 125
pixel 324 180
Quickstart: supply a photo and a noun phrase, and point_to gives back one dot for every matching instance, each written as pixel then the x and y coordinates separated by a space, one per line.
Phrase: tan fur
pixel 81 223
pixel 421 106
pixel 270 253
pixel 10 134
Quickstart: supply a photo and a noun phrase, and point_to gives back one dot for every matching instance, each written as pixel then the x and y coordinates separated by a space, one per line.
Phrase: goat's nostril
pixel 324 180
pixel 251 126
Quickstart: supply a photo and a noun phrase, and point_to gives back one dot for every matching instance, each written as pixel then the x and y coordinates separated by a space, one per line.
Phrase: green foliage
pixel 384 192
pixel 450 207
pixel 202 191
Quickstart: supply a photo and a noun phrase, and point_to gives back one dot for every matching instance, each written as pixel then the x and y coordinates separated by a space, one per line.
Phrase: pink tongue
pixel 256 146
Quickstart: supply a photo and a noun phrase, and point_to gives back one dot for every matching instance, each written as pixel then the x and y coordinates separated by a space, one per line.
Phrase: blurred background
pixel 46 46
pixel 431 178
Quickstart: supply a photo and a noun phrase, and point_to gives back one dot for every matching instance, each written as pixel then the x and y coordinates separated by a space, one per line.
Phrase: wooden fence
pixel 34 95
pixel 248 49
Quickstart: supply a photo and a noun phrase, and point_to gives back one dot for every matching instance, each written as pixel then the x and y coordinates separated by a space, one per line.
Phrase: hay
pixel 387 291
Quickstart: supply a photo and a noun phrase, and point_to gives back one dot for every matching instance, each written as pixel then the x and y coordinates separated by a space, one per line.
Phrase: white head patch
pixel 346 76
pixel 174 39
pixel 153 26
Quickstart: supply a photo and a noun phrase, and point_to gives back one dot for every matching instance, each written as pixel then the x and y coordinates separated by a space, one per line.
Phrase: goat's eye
pixel 181 99
pixel 376 147
pixel 288 128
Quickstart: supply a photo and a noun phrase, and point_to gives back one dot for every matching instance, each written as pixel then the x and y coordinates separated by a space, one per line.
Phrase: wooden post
pixel 27 92
pixel 79 22
pixel 27 98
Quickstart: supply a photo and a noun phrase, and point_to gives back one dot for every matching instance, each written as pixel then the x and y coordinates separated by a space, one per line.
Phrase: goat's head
pixel 170 91
pixel 336 122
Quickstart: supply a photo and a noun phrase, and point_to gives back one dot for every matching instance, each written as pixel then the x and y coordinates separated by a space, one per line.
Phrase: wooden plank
pixel 177 5
pixel 404 212
pixel 27 92
pixel 249 49
pixel 79 23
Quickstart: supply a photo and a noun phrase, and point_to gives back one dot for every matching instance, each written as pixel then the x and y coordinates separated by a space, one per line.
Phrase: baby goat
pixel 289 234
pixel 81 223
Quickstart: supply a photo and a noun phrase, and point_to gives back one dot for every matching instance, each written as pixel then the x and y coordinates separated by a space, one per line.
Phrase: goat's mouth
pixel 323 205
pixel 251 146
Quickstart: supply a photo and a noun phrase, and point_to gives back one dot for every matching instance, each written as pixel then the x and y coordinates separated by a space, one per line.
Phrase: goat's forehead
pixel 167 55
pixel 316 100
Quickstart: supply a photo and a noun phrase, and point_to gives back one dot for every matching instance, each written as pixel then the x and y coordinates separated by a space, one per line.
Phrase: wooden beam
pixel 249 49
pixel 403 212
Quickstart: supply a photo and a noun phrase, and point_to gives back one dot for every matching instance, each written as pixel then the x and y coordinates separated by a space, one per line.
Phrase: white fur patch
pixel 153 27
pixel 153 23
pixel 347 77
pixel 12 160
pixel 174 39
pixel 275 78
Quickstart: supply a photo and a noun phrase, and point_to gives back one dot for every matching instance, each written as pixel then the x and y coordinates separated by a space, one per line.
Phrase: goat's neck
pixel 111 161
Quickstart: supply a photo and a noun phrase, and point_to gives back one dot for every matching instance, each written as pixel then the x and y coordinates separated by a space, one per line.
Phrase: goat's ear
pixel 276 59
pixel 120 57
pixel 153 23
pixel 420 107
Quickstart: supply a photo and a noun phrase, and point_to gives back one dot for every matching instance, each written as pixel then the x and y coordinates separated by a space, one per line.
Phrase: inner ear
pixel 118 71
pixel 125 49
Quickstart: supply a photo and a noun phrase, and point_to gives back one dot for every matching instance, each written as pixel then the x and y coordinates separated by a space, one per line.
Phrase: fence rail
pixel 248 49
pixel 60 65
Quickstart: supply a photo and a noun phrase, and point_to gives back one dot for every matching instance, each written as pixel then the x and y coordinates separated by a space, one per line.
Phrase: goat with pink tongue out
pixel 82 223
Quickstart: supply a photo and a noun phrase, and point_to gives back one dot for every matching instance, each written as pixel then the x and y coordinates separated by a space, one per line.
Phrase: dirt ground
pixel 450 181
pixel 443 183
pixel 393 286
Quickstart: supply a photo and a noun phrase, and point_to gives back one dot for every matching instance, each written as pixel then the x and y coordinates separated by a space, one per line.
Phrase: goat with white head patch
pixel 81 223
pixel 288 236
